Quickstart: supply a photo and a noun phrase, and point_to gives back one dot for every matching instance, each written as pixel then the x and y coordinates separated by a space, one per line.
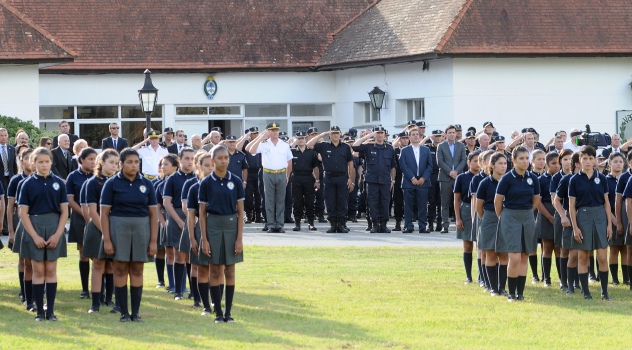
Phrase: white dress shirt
pixel 275 157
pixel 151 159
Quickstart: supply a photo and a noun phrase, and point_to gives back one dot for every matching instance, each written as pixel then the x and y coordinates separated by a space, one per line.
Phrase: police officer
pixel 150 155
pixel 501 147
pixel 252 203
pixel 237 165
pixel 288 188
pixel 398 194
pixel 434 193
pixel 338 178
pixel 319 204
pixel 304 181
pixel 380 176
pixel 168 134
pixel 358 164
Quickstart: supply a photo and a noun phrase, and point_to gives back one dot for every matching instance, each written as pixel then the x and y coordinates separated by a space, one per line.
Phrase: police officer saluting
pixel 380 176
pixel 305 179
pixel 338 179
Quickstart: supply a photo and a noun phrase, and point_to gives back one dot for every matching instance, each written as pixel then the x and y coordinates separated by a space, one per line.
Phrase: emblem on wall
pixel 210 87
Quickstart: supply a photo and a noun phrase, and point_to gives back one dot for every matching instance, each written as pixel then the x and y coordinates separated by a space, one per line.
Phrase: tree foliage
pixel 13 125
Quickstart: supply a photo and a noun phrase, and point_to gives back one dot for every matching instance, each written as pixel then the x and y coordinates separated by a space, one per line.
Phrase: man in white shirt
pixel 276 158
pixel 572 143
pixel 151 155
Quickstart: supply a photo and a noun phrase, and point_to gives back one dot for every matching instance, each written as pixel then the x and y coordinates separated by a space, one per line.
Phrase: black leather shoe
pixel 375 228
pixel 259 220
pixel 219 319
pixel 247 221
pixel 520 298
pixel 178 296
pixel 289 220
pixel 332 228
pixel 511 298
pixel 280 230
pixel 342 227
pixel 310 226
pixel 40 317
pixel 136 318
pixel 398 226
pixel 438 227
pixel 445 230
pixel 85 295
pixel 297 225
pixel 271 230
pixel 384 229
pixel 51 318
pixel 468 281
pixel 354 219
pixel 115 310
pixel 587 297
pixel 93 310
pixel 606 297
pixel 265 228
pixel 535 280
pixel 407 230
pixel 229 319
pixel 424 231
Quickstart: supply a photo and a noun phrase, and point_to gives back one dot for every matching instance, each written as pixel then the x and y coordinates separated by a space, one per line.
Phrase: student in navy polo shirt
pixel 106 167
pixel 463 212
pixel 43 211
pixel 561 263
pixel 621 214
pixel 545 219
pixel 238 164
pixel 129 226
pixel 517 195
pixel 171 197
pixel 221 204
pixel 616 161
pixel 488 226
pixel 589 208
pixel 87 160
pixel 483 160
pixel 168 166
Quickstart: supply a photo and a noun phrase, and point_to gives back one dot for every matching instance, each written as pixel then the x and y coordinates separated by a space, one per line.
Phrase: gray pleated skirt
pixel 162 234
pixel 77 228
pixel 185 242
pixel 45 226
pixel 627 238
pixel 544 228
pixel 469 232
pixel 173 230
pixel 567 235
pixel 92 241
pixel 517 232
pixel 592 222
pixel 557 230
pixel 221 232
pixel 19 235
pixel 194 256
pixel 487 231
pixel 130 237
pixel 617 239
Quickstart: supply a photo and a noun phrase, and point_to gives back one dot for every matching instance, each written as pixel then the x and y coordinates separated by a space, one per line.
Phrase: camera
pixel 594 139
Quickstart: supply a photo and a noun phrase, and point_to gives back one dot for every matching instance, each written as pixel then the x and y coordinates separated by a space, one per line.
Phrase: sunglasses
pixel 180 135
pixel 48 143
pixel 115 128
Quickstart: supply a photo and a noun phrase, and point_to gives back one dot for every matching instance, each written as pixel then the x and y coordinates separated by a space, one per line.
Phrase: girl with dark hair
pixel 616 161
pixel 545 219
pixel 483 160
pixel 169 164
pixel 463 212
pixel 623 226
pixel 561 222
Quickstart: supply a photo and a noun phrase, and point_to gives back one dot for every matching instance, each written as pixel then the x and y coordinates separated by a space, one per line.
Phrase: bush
pixel 13 124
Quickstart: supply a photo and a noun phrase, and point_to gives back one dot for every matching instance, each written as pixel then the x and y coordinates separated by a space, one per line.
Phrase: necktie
pixel 5 159
pixel 115 144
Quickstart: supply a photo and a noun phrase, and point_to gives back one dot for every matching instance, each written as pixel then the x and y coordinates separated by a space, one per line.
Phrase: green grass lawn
pixel 327 298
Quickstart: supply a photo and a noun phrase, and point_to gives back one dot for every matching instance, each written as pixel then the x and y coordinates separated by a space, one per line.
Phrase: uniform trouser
pixel 253 198
pixel 336 197
pixel 362 208
pixel 379 195
pixel 274 186
pixel 288 199
pixel 434 199
pixel 262 195
pixel 319 204
pixel 353 200
pixel 415 196
pixel 303 194
pixel 447 187
pixel 398 199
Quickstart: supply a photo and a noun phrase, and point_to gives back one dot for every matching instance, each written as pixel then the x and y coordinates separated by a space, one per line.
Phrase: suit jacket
pixel 174 148
pixel 62 166
pixel 121 144
pixel 447 162
pixel 73 138
pixel 408 165
pixel 13 166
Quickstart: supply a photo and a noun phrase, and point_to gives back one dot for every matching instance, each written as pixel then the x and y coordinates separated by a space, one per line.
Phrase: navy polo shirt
pixel 43 195
pixel 462 186
pixel 159 186
pixel 19 189
pixel 476 180
pixel 237 162
pixel 612 185
pixel 335 158
pixel 12 190
pixel 623 182
pixel 192 198
pixel 545 185
pixel 555 181
pixel 221 194
pixel 187 187
pixel 588 192
pixel 128 198
pixel 518 189
pixel 93 187
pixel 562 190
pixel 627 192
pixel 487 192
pixel 74 181
pixel 82 194
pixel 173 187
pixel 380 159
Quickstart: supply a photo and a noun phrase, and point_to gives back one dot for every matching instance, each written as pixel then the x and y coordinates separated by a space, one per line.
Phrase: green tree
pixel 13 124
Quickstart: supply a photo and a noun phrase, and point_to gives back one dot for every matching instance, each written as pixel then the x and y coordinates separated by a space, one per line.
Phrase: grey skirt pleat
pixel 162 234
pixel 544 228
pixel 19 235
pixel 488 228
pixel 77 228
pixel 92 241
pixel 45 225
pixel 221 232
pixel 517 232
pixel 130 237
pixel 173 230
pixel 617 239
pixel 592 221
pixel 468 233
pixel 194 256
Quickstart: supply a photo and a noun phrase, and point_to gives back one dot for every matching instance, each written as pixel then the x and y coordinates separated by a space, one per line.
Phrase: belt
pixel 150 177
pixel 269 171
pixel 333 174
pixel 302 173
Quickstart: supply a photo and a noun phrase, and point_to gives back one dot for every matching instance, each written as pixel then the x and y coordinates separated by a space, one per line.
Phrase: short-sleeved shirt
pixel 462 186
pixel 380 159
pixel 12 190
pixel 82 194
pixel 562 190
pixel 545 185
pixel 555 181
pixel 93 188
pixel 192 198
pixel 623 181
pixel 627 192
pixel 187 186
pixel 220 194
pixel 486 192
pixel 74 181
pixel 304 162
pixel 335 158
pixel 237 162
pixel 476 180
pixel 159 186
pixel 518 189
pixel 128 198
pixel 612 185
pixel 274 157
pixel 588 192
pixel 173 187
pixel 43 195
pixel 150 159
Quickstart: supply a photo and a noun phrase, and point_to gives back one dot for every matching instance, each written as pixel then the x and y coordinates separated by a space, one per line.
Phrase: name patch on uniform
pixel 56 186
pixel 530 181
pixel 230 185
pixel 142 188
pixel 597 181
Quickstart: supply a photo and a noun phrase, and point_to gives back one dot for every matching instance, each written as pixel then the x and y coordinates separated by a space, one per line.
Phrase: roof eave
pixel 377 62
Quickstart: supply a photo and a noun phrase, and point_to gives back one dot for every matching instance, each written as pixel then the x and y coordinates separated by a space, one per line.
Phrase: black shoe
pixel 207 312
pixel 438 228
pixel 375 228
pixel 332 228
pixel 280 230
pixel 384 229
pixel 289 221
pixel 178 296
pixel 85 295
pixel 504 293
pixel 494 293
pixel 587 297
pixel 109 303
pixel 563 288
pixel 342 227
pixel 310 226
pixel 615 283
pixel 535 280
pixel 398 226
pixel 511 298
pixel 93 310
pixel 247 221
pixel 125 318
pixel 115 310
pixel 190 296
pixel 297 226
pixel 196 305
pixel 272 230
pixel 520 298
pixel 51 317
pixel 547 282
pixel 407 230
pixel 468 281
pixel 136 318
pixel 321 219
pixel 627 282
pixel 424 231
pixel 219 319
pixel 570 292
pixel 229 319
pixel 40 317
pixel 160 285
pixel 259 220
pixel 354 219
pixel 265 228
pixel 606 297
pixel 31 308
pixel 592 279
pixel 369 225
pixel 445 230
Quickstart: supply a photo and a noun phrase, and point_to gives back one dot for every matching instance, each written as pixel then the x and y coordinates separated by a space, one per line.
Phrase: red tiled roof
pixel 190 35
pixel 21 40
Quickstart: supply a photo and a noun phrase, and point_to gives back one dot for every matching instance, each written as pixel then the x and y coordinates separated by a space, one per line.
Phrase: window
pixel 320 110
pixel 97 112
pixel 136 112
pixel 228 110
pixel 94 133
pixel 370 113
pixel 57 113
pixel 415 109
pixel 191 110
pixel 266 111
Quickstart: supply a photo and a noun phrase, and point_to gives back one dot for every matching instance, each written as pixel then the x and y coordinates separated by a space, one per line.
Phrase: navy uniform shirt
pixel 43 195
pixel 74 181
pixel 82 194
pixel 476 180
pixel 173 187
pixel 562 190
pixel 304 162
pixel 588 192
pixel 128 198
pixel 237 163
pixel 221 194
pixel 12 190
pixel 545 185
pixel 433 155
pixel 462 186
pixel 187 187
pixel 159 187
pixel 486 192
pixel 254 162
pixel 335 158
pixel 627 192
pixel 192 198
pixel 518 189
pixel 93 188
pixel 555 181
pixel 612 186
pixel 380 159
pixel 623 182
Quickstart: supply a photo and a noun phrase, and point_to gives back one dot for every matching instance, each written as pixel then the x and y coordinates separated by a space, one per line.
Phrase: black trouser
pixel 434 199
pixel 398 199
pixel 253 199
pixel 303 194
pixel 379 196
pixel 288 199
pixel 336 197
pixel 319 204
pixel 262 194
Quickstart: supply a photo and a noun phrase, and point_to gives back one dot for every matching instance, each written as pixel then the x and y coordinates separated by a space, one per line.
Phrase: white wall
pixel 548 94
pixel 19 91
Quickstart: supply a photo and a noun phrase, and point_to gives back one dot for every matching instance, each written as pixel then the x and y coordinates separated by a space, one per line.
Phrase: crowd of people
pixel 184 206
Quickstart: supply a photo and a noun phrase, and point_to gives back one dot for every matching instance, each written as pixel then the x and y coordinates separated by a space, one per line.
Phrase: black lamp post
pixel 148 97
pixel 377 99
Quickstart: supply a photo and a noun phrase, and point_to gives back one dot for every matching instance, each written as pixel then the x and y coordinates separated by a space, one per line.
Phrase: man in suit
pixel 62 165
pixel 114 141
pixel 179 144
pixel 8 168
pixel 415 163
pixel 64 128
pixel 451 160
